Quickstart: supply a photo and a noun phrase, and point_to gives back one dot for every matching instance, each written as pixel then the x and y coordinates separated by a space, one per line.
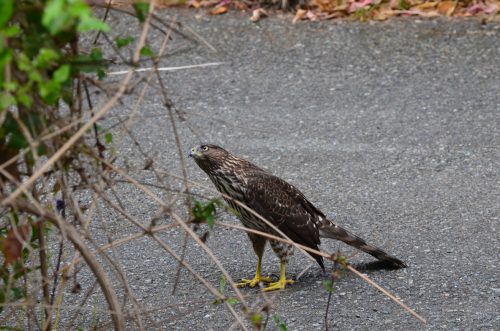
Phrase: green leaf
pixel 23 62
pixel 108 138
pixel 61 75
pixel 222 284
pixel 328 285
pixel 205 212
pixel 24 97
pixel 17 140
pixel 256 319
pixel 45 57
pixel 55 18
pixel 122 42
pixel 101 74
pixel 210 220
pixel 50 91
pixel 17 293
pixel 141 10
pixel 404 5
pixel 96 54
pixel 6 100
pixel 90 23
pixel 5 57
pixel 279 323
pixel 10 86
pixel 6 10
pixel 10 31
pixel 146 51
pixel 232 301
pixel 35 76
pixel 79 8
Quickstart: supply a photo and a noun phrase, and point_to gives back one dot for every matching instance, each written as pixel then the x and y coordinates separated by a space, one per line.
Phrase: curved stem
pixel 72 234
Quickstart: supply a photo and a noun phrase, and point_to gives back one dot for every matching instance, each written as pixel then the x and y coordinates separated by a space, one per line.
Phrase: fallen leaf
pixel 425 5
pixel 380 15
pixel 327 6
pixel 299 15
pixel 482 8
pixel 12 244
pixel 430 13
pixel 218 10
pixel 394 4
pixel 257 14
pixel 360 4
pixel 384 12
pixel 311 16
pixel 194 3
pixel 492 8
pixel 446 7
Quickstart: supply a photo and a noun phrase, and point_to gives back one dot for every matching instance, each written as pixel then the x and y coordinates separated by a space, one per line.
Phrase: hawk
pixel 279 202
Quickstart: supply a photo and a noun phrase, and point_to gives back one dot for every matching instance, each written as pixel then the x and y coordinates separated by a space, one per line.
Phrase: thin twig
pixel 99 114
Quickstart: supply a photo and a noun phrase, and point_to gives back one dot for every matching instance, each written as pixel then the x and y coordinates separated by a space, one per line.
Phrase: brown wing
pixel 286 208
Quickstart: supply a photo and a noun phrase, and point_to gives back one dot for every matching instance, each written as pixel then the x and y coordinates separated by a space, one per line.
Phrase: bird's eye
pixel 204 148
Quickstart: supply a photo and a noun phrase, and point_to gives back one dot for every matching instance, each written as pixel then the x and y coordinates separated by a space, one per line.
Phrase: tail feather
pixel 328 229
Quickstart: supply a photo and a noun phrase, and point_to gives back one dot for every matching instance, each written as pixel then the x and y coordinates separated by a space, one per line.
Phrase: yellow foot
pixel 279 285
pixel 253 282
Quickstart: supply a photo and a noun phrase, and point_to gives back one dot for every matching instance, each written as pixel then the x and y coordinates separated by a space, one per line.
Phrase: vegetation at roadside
pixel 364 10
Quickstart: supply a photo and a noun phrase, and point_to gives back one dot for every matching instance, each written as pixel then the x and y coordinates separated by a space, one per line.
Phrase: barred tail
pixel 328 229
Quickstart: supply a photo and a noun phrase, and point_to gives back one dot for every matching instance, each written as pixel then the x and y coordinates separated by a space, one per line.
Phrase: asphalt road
pixel 393 128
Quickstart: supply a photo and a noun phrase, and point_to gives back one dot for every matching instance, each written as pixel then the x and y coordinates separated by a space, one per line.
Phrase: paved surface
pixel 393 128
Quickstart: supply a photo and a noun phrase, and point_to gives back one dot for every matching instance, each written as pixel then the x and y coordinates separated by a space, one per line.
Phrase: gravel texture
pixel 393 128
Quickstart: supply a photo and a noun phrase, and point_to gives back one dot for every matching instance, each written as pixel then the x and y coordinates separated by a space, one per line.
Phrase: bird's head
pixel 208 156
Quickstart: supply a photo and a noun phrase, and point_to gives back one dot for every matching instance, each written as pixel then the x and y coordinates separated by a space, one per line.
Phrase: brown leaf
pixel 195 4
pixel 380 15
pixel 12 245
pixel 218 10
pixel 311 16
pixel 257 14
pixel 301 13
pixel 425 5
pixel 384 12
pixel 327 6
pixel 446 7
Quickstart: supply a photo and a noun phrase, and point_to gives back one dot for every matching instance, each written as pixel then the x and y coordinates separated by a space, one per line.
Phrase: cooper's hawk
pixel 281 204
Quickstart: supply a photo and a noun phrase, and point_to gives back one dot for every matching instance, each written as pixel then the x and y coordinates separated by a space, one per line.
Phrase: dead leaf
pixel 311 16
pixel 219 10
pixel 12 245
pixel 257 14
pixel 194 3
pixel 360 4
pixel 299 15
pixel 380 15
pixel 394 4
pixel 425 5
pixel 329 6
pixel 446 7
pixel 384 12
pixel 482 8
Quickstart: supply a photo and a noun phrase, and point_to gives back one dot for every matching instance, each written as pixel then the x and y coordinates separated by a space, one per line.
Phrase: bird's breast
pixel 229 184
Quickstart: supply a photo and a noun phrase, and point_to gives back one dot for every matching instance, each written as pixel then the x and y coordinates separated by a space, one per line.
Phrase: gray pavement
pixel 393 128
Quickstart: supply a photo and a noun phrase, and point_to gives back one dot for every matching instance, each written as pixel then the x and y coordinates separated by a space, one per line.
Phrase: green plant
pixel 42 79
pixel 205 211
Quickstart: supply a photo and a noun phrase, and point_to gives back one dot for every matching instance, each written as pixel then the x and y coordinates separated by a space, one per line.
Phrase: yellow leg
pixel 256 279
pixel 280 284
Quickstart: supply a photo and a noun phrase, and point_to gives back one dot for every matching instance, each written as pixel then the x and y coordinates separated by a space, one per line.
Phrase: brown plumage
pixel 281 204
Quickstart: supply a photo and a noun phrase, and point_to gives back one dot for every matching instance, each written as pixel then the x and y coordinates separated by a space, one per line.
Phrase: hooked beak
pixel 195 152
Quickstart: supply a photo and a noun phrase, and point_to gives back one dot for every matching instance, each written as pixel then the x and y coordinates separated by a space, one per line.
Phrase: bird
pixel 279 202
